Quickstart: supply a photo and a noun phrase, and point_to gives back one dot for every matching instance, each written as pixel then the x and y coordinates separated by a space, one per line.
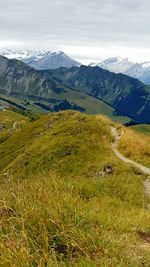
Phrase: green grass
pixel 8 117
pixel 59 207
pixel 56 142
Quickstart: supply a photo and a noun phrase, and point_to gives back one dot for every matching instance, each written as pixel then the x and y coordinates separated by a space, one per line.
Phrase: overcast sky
pixel 88 30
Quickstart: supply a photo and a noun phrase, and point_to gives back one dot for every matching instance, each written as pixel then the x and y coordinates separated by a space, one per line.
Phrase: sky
pixel 87 30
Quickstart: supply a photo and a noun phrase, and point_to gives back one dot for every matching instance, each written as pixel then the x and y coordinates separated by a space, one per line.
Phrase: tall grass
pixel 54 221
pixel 136 146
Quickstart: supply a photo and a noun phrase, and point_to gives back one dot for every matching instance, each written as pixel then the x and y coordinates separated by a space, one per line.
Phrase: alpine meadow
pixel 74 133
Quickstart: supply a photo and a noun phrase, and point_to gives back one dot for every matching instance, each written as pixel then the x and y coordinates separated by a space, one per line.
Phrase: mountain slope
pixel 16 78
pixel 127 95
pixel 66 200
pixel 41 59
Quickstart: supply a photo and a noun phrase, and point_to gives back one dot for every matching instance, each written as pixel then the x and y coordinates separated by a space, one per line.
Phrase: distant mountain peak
pixel 113 60
pixel 41 59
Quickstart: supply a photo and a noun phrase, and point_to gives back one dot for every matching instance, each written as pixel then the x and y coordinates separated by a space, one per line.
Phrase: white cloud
pixel 86 29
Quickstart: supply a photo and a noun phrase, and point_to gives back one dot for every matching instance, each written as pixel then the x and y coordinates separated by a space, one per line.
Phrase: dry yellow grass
pixel 54 221
pixel 136 146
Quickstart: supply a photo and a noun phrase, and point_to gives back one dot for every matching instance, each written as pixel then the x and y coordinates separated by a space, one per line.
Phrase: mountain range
pixel 140 71
pixel 39 91
pixel 45 59
pixel 78 85
pixel 41 59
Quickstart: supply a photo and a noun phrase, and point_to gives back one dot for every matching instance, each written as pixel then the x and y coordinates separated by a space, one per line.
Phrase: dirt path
pixel 120 156
pixel 14 125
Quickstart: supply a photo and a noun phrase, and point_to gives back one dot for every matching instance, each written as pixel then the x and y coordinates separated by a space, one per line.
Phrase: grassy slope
pixel 8 117
pixel 56 141
pixel 64 212
pixel 7 120
pixel 143 128
pixel 136 146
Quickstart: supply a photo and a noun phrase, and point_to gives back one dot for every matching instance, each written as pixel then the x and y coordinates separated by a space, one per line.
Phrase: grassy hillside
pixel 143 128
pixel 10 122
pixel 8 117
pixel 56 142
pixel 67 201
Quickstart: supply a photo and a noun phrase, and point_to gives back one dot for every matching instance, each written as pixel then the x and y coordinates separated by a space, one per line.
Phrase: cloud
pixel 84 24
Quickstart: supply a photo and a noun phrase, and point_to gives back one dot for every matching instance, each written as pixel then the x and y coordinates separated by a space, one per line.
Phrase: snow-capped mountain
pixel 54 60
pixel 140 71
pixel 44 59
pixel 22 54
pixel 41 59
pixel 116 64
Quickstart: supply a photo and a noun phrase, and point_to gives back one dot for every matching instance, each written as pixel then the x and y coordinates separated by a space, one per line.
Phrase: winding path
pixel 115 134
